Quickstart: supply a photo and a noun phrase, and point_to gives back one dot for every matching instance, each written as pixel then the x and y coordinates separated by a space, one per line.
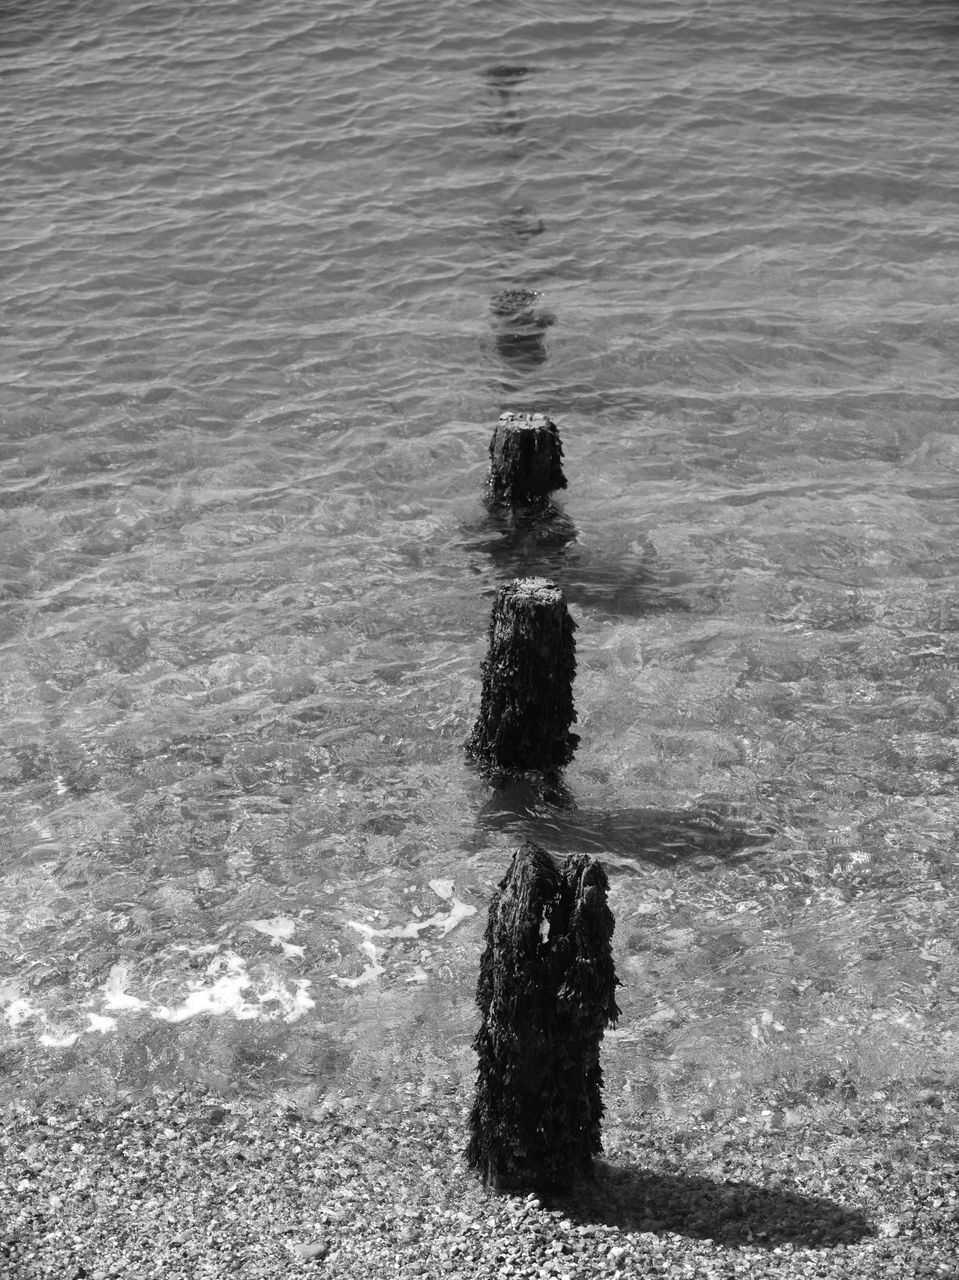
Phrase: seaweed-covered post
pixel 526 706
pixel 546 992
pixel 526 460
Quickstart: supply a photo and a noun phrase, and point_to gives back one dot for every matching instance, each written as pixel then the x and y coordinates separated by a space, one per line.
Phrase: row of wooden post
pixel 547 983
pixel 526 705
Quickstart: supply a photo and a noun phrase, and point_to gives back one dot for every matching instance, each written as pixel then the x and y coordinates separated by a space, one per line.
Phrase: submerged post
pixel 546 992
pixel 526 460
pixel 526 706
pixel 520 327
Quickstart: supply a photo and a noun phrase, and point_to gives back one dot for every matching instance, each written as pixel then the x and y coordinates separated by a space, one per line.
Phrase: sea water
pixel 250 369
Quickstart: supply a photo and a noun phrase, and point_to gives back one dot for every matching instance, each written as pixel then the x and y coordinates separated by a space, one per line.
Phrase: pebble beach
pixel 193 1185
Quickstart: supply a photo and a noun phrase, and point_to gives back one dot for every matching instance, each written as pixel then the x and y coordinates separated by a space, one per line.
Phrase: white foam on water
pixel 278 930
pixel 223 995
pixel 290 1007
pixel 412 929
pixel 116 995
pixel 372 971
pixel 53 1041
pixel 99 1023
pixel 458 912
pixel 20 1010
pixel 226 989
pixel 232 991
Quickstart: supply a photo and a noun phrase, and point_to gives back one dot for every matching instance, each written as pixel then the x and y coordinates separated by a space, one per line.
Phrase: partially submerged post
pixel 520 326
pixel 526 460
pixel 546 992
pixel 526 707
pixel 518 307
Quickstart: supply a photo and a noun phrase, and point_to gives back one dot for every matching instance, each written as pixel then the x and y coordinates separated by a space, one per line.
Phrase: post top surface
pixel 541 588
pixel 525 421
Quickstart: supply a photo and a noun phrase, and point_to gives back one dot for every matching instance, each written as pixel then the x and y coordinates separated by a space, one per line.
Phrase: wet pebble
pixel 265 1192
pixel 313 1251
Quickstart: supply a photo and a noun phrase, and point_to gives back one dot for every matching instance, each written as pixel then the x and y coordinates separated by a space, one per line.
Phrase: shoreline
pixel 195 1184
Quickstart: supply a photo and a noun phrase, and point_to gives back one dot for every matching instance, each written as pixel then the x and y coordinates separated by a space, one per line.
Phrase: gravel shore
pixel 194 1185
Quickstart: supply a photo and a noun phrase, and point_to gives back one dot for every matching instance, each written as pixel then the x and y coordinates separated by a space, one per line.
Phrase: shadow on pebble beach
pixel 731 1213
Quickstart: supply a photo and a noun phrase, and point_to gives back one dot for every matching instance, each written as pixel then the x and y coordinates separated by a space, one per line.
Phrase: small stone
pixel 930 1098
pixel 313 1251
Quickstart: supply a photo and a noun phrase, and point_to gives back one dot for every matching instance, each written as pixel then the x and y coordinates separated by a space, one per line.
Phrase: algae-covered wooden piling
pixel 546 992
pixel 526 460
pixel 526 706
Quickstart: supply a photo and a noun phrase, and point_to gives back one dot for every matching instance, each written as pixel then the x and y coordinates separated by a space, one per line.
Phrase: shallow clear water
pixel 250 373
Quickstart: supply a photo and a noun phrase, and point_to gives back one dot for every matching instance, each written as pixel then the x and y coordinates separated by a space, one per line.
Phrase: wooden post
pixel 546 992
pixel 526 460
pixel 516 306
pixel 526 706
pixel 520 327
pixel 506 74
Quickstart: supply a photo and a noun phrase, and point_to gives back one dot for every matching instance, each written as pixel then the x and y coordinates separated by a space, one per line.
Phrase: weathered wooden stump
pixel 526 706
pixel 546 992
pixel 516 306
pixel 526 460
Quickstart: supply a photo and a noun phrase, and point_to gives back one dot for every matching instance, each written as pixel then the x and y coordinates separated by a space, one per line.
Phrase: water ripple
pixel 251 367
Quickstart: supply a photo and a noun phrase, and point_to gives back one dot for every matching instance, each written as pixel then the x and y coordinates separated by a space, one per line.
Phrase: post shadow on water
pixel 524 533
pixel 632 1198
pixel 542 541
pixel 521 223
pixel 540 807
